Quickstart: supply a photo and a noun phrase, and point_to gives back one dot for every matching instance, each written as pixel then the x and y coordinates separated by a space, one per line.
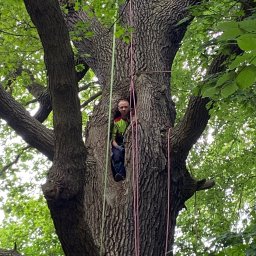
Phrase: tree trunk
pixel 74 190
pixel 155 45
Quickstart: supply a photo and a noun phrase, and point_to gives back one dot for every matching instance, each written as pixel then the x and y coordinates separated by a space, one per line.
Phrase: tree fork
pixel 65 188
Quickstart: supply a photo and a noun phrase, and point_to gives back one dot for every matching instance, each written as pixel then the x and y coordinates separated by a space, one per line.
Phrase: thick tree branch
pixel 166 7
pixel 63 87
pixel 74 16
pixel 196 117
pixel 64 189
pixel 187 132
pixel 42 95
pixel 95 49
pixel 38 91
pixel 33 132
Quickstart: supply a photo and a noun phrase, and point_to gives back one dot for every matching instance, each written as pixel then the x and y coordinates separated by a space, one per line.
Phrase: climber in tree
pixel 121 122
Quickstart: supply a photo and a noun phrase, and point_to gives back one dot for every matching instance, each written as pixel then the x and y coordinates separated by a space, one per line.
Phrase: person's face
pixel 123 107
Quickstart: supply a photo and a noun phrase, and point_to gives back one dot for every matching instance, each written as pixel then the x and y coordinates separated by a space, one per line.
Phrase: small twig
pixel 93 97
pixel 169 253
pixel 31 101
pixel 119 16
pixel 13 34
pixel 24 51
pixel 85 87
pixel 195 218
pixel 15 161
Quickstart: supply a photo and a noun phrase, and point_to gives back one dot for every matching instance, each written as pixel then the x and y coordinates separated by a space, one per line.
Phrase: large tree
pixel 75 182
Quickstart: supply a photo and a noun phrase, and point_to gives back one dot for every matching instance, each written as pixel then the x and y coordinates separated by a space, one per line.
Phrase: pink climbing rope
pixel 135 158
pixel 168 191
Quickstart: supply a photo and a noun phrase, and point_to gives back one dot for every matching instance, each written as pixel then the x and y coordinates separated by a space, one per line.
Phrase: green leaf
pixel 240 59
pixel 230 30
pixel 253 61
pixel 229 90
pixel 224 78
pixel 247 42
pixel 248 25
pixel 210 92
pixel 89 34
pixel 246 77
pixel 196 90
pixel 126 39
pixel 79 67
pixel 228 25
pixel 232 33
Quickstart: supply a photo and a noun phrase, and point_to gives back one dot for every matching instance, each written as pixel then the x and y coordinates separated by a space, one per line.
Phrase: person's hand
pixel 120 148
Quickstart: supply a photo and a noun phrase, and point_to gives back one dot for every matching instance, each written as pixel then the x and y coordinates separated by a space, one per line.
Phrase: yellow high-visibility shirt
pixel 120 126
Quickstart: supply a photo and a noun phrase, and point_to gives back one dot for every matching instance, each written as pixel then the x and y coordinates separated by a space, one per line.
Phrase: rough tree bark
pixel 74 189
pixel 9 253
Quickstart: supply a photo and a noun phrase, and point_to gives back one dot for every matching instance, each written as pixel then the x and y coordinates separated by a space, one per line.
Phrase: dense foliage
pixel 221 221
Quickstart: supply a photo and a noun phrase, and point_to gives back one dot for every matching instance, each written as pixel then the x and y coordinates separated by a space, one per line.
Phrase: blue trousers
pixel 118 162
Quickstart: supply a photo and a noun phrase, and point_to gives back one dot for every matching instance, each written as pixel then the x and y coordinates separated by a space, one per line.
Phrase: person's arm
pixel 114 144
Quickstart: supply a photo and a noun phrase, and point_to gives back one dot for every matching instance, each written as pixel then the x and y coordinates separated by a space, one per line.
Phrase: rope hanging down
pixel 135 162
pixel 135 155
pixel 168 191
pixel 108 137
